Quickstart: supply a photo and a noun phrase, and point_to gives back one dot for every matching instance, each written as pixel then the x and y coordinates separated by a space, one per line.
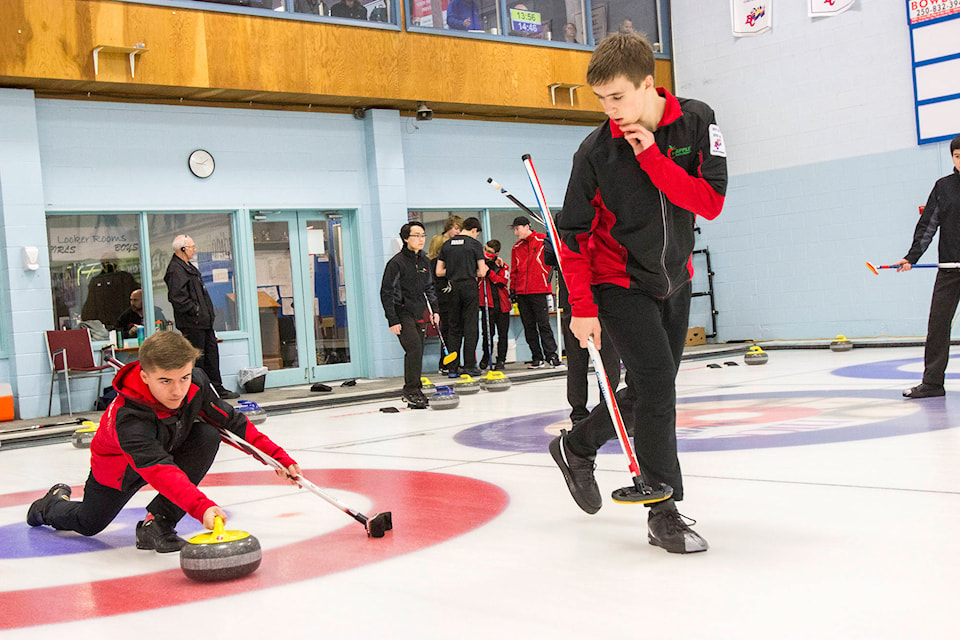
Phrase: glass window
pixel 625 16
pixel 212 234
pixel 94 266
pixel 456 15
pixel 500 221
pixel 434 222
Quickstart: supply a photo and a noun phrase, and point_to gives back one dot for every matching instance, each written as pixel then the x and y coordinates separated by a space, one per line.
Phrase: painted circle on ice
pixel 413 497
pixel 903 369
pixel 749 421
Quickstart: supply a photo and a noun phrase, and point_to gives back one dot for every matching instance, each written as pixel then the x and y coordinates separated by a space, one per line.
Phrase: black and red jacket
pixel 941 212
pixel 493 286
pixel 628 220
pixel 528 273
pixel 137 435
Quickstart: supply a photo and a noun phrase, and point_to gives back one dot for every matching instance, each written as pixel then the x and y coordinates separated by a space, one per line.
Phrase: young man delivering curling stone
pixel 627 237
pixel 161 431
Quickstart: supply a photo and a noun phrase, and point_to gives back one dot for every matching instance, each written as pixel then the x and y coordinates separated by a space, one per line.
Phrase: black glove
pixel 513 297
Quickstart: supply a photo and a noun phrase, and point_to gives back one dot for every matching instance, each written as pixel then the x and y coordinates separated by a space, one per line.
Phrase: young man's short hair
pixel 954 144
pixel 167 351
pixel 472 223
pixel 405 229
pixel 451 222
pixel 621 54
pixel 494 244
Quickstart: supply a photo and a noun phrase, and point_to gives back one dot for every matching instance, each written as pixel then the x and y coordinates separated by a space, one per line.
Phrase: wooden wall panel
pixel 202 55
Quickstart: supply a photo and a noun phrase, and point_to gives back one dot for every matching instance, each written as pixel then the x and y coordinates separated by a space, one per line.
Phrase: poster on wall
pixel 924 10
pixel 751 17
pixel 827 8
pixel 935 48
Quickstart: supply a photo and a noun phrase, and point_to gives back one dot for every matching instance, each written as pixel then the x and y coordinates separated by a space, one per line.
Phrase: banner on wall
pixel 923 10
pixel 827 8
pixel 751 17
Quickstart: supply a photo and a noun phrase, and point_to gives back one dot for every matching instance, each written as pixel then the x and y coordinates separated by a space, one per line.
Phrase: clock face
pixel 201 163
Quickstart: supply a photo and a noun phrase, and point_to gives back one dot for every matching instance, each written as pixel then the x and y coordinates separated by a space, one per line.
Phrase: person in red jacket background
pixel 495 307
pixel 529 286
pixel 161 431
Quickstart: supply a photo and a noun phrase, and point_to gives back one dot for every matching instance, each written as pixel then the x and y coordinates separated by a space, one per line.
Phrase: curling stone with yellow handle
pixel 495 381
pixel 220 555
pixel 465 385
pixel 83 436
pixel 841 343
pixel 755 355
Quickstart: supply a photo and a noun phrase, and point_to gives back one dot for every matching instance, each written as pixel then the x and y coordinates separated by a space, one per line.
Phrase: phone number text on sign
pixel 923 10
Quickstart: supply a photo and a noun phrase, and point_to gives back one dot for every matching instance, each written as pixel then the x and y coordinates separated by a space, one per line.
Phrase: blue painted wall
pixel 72 156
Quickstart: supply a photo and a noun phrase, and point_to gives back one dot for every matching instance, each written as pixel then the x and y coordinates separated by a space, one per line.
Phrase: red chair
pixel 71 354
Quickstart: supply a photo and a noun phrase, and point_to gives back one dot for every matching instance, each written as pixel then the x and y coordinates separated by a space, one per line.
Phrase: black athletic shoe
pixel 666 528
pixel 415 399
pixel 554 360
pixel 924 390
pixel 482 364
pixel 472 371
pixel 226 394
pixel 536 364
pixel 578 472
pixel 499 366
pixel 159 535
pixel 36 511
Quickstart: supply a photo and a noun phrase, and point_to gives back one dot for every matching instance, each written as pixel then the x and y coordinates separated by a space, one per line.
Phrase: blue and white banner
pixel 751 17
pixel 827 8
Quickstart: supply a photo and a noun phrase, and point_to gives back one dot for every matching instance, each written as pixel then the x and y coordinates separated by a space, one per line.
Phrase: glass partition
pixel 212 233
pixel 94 267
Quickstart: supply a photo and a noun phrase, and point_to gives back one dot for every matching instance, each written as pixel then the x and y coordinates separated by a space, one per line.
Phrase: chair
pixel 71 353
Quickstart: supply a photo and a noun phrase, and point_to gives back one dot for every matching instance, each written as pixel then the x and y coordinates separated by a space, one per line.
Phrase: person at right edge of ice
pixel 942 210
pixel 627 238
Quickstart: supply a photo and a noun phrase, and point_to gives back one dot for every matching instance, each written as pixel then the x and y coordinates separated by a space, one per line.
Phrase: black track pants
pixel 412 336
pixel 536 325
pixel 101 504
pixel 650 335
pixel 578 360
pixel 946 295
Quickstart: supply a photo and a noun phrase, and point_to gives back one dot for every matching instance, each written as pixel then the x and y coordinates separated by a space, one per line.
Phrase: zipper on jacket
pixel 663 252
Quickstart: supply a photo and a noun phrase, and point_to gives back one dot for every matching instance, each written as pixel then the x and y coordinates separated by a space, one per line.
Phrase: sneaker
pixel 472 371
pixel 158 534
pixel 499 366
pixel 226 394
pixel 415 399
pixel 536 364
pixel 554 360
pixel 925 390
pixel 483 364
pixel 666 528
pixel 578 472
pixel 36 511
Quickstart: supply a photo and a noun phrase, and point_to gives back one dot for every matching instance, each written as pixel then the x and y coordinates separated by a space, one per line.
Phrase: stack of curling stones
pixel 220 555
pixel 466 385
pixel 444 397
pixel 83 436
pixel 495 381
pixel 253 411
pixel 840 343
pixel 755 355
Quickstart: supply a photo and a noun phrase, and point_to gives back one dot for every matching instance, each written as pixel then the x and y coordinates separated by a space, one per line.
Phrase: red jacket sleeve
pixel 687 192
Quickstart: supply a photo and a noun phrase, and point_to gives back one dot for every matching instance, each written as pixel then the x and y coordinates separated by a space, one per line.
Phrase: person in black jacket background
pixel 406 280
pixel 193 310
pixel 942 210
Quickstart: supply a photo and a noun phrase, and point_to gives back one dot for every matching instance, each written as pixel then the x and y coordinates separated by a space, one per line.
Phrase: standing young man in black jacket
pixel 461 261
pixel 626 227
pixel 943 211
pixel 406 281
pixel 193 310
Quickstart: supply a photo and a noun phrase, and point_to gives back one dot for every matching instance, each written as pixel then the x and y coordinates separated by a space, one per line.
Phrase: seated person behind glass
pixel 463 15
pixel 349 9
pixel 133 316
pixel 315 7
